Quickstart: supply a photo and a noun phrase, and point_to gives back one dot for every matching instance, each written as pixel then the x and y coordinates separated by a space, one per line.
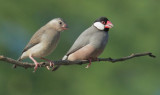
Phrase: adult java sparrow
pixel 44 41
pixel 91 43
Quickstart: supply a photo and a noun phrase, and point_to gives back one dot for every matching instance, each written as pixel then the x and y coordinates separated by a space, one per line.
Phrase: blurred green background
pixel 136 29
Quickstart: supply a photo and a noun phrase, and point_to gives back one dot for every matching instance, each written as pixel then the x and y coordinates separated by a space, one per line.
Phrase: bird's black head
pixel 104 21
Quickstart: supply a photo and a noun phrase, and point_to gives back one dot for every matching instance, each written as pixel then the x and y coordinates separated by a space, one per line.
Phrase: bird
pixel 91 43
pixel 44 41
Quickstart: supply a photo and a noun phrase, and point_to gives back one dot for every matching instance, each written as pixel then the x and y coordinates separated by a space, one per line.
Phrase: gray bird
pixel 91 43
pixel 44 41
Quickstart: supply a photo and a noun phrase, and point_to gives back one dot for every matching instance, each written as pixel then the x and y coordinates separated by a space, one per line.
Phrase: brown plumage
pixel 44 41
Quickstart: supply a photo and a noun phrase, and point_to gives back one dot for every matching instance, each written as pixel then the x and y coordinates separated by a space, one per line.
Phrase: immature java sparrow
pixel 44 41
pixel 91 43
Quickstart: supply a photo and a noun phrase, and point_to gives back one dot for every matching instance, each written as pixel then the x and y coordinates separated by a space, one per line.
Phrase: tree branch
pixel 66 62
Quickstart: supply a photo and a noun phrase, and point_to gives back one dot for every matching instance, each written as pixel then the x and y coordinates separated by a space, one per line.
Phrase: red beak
pixel 65 27
pixel 108 24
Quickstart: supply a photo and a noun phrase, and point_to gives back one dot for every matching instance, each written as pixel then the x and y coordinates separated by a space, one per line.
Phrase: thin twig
pixel 66 62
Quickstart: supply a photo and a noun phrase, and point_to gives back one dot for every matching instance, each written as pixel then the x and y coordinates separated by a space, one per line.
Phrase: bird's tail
pixel 65 57
pixel 19 59
pixel 57 67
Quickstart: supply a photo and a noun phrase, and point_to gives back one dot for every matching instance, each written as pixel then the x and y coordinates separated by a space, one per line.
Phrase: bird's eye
pixel 60 22
pixel 103 22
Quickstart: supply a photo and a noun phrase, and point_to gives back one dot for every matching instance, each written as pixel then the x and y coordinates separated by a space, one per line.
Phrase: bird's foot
pixel 89 63
pixel 36 66
pixel 51 63
pixel 35 62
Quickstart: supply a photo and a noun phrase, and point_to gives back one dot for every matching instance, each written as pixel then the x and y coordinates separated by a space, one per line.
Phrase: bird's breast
pixel 51 42
pixel 99 40
pixel 84 53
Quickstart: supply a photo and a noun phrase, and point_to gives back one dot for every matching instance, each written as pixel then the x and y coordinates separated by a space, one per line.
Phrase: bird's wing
pixel 30 45
pixel 81 41
pixel 76 46
pixel 36 38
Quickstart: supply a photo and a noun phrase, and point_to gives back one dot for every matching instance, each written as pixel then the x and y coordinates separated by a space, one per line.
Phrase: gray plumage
pixel 93 36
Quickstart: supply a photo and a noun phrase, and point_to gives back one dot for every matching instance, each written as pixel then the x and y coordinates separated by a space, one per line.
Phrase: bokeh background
pixel 136 29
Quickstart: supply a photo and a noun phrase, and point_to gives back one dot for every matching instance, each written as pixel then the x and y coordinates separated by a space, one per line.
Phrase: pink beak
pixel 108 24
pixel 65 27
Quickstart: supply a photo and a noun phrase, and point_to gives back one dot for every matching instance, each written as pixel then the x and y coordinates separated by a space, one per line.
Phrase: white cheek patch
pixel 99 25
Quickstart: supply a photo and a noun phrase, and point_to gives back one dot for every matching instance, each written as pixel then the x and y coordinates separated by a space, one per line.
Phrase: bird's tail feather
pixel 65 57
pixel 57 67
pixel 19 59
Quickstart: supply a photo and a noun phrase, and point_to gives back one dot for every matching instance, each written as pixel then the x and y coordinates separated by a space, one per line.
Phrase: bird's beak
pixel 65 27
pixel 108 25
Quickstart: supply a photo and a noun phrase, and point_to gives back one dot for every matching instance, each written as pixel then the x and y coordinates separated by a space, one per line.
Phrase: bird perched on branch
pixel 44 41
pixel 91 43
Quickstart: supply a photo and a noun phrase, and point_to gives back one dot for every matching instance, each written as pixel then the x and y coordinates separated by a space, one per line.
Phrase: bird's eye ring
pixel 103 22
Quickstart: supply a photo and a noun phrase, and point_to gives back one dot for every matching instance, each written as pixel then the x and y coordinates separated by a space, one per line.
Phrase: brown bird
pixel 44 41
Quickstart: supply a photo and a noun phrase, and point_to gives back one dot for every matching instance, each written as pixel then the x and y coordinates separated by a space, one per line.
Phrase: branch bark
pixel 66 62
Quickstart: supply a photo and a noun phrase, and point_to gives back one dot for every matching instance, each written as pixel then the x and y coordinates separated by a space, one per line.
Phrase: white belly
pixel 39 50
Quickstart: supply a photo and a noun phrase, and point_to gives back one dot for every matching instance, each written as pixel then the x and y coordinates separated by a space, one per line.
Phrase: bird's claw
pixel 36 66
pixel 88 65
pixel 48 68
pixel 51 64
pixel 90 61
